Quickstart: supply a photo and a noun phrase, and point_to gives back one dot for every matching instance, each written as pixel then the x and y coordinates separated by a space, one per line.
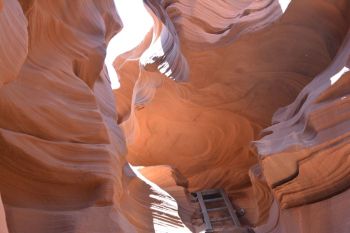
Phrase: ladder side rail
pixel 204 211
pixel 230 209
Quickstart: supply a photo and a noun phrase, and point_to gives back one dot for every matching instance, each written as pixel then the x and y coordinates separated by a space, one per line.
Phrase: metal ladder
pixel 216 209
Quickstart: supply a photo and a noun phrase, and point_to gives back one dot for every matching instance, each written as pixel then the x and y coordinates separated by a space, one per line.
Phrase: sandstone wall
pixel 238 78
pixel 65 145
pixel 62 163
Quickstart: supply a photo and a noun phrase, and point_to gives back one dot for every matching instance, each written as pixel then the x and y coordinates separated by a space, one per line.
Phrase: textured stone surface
pixel 306 155
pixel 237 81
pixel 206 24
pixel 3 224
pixel 62 163
pixel 13 40
pixel 65 145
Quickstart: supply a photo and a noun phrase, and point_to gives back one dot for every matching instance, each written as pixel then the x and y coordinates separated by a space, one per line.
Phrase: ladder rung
pixel 220 197
pixel 214 199
pixel 220 219
pixel 217 209
pixel 211 191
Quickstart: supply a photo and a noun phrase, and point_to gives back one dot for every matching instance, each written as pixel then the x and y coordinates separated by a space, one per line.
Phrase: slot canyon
pixel 249 97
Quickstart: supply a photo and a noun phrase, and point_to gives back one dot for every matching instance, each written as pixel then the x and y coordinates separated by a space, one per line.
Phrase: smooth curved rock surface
pixel 65 145
pixel 306 132
pixel 62 163
pixel 209 123
pixel 206 24
pixel 329 215
pixel 233 91
pixel 3 224
pixel 13 40
pixel 306 155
